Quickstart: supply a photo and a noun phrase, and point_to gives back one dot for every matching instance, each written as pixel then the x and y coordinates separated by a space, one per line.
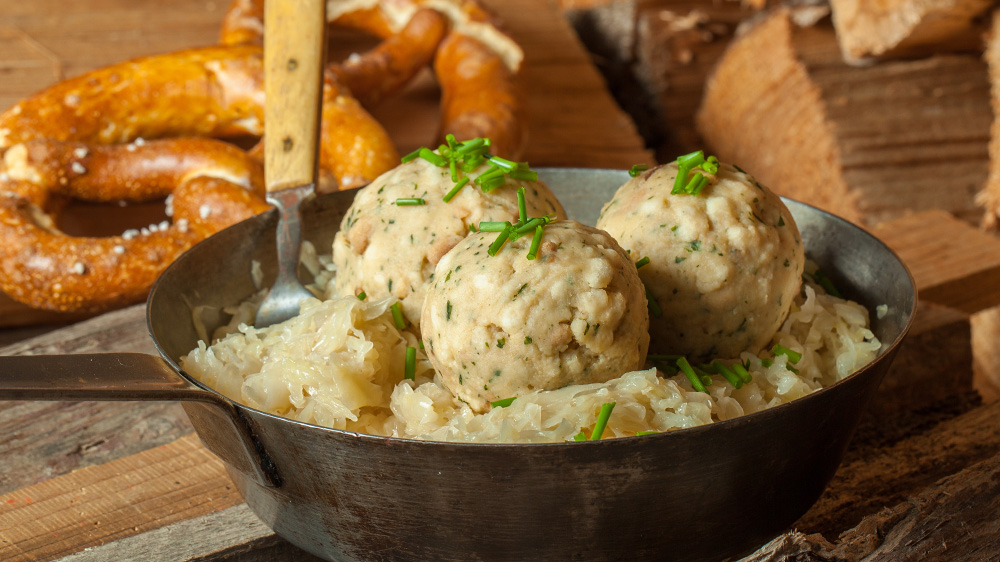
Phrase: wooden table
pixel 129 481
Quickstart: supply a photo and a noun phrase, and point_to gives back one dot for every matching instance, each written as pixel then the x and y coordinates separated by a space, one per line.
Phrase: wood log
pixel 868 144
pixel 896 28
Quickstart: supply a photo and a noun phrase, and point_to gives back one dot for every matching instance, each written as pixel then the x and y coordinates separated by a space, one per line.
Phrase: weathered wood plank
pixel 233 534
pixel 99 504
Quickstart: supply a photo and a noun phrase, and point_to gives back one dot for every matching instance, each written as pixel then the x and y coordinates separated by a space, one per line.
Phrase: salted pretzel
pixel 147 128
pixel 83 138
pixel 475 62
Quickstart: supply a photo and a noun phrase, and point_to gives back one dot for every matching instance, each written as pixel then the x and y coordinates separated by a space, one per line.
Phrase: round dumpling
pixel 499 326
pixel 724 265
pixel 387 249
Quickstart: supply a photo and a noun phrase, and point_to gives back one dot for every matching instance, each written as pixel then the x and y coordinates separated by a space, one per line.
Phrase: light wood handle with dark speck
pixel 294 46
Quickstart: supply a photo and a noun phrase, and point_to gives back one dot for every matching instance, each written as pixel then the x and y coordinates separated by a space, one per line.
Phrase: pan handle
pixel 139 376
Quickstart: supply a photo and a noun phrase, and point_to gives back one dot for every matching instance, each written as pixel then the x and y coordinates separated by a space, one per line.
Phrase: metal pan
pixel 706 493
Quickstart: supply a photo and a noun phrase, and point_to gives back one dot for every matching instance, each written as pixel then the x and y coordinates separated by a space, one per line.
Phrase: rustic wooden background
pixel 897 139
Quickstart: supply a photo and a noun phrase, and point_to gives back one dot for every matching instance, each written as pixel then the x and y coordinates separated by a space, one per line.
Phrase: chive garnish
pixel 602 421
pixel 503 403
pixel 742 372
pixel 397 316
pixel 411 156
pixel 522 205
pixel 688 371
pixel 793 356
pixel 536 242
pixel 646 432
pixel 493 226
pixel 362 296
pixel 727 374
pixel 637 169
pixel 454 191
pixel 685 182
pixel 654 306
pixel 580 436
pixel 523 174
pixel 823 281
pixel 430 156
pixel 410 367
pixel 642 262
pixel 407 201
pixel 500 240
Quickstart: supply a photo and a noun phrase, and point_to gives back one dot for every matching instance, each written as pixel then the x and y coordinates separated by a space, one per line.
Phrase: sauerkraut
pixel 340 364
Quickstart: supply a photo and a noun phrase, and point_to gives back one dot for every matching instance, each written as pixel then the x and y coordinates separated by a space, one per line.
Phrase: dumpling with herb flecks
pixel 500 326
pixel 724 263
pixel 399 226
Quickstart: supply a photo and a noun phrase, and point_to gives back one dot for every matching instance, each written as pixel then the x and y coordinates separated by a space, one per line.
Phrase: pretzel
pixel 476 64
pixel 212 185
pixel 83 138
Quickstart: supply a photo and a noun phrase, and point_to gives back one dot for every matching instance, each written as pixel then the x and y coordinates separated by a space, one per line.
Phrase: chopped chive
pixel 696 158
pixel 491 183
pixel 429 155
pixel 453 168
pixel 637 169
pixel 421 344
pixel 536 242
pixel 740 370
pixel 602 421
pixel 642 262
pixel 500 240
pixel 711 165
pixel 507 165
pixel 397 316
pixel 408 201
pixel 471 146
pixel 826 283
pixel 410 368
pixel 647 432
pixel 472 227
pixel 682 174
pixel 503 403
pixel 793 356
pixel 688 371
pixel 362 296
pixel 727 374
pixel 527 340
pixel 654 306
pixel 522 205
pixel 524 175
pixel 454 191
pixel 411 156
pixel 450 139
pixel 580 436
pixel 530 225
pixel 766 362
pixel 493 226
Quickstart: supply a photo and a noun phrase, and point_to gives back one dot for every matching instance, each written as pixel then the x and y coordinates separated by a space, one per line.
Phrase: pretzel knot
pixel 167 126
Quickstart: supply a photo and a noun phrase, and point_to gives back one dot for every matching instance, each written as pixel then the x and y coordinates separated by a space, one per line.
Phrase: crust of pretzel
pixel 211 185
pixel 479 96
